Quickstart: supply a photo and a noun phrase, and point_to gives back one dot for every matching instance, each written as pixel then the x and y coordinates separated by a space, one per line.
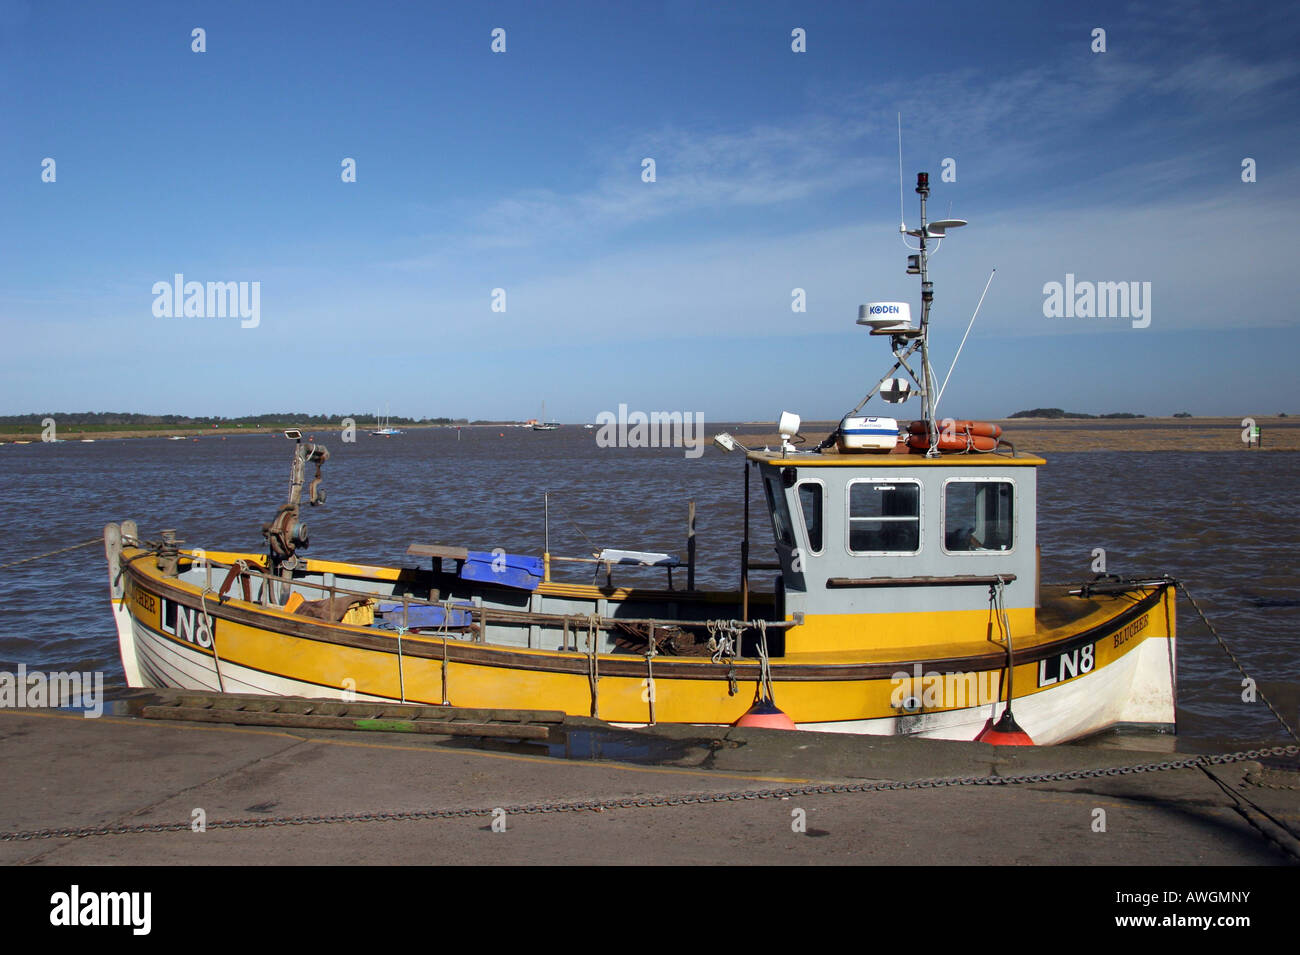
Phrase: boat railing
pixel 478 614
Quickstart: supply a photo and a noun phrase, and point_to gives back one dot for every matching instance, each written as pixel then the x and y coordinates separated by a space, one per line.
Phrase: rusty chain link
pixel 646 802
pixel 1235 662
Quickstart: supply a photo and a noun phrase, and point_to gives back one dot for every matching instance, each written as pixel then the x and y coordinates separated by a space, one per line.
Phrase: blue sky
pixel 522 170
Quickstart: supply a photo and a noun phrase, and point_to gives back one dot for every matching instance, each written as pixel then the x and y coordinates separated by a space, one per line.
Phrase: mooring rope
pixel 593 662
pixel 401 677
pixel 61 550
pixel 998 603
pixel 446 701
pixel 212 635
pixel 764 665
pixel 650 672
pixel 726 647
pixel 445 632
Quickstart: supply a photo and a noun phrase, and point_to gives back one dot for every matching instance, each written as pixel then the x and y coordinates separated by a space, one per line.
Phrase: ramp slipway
pixel 120 772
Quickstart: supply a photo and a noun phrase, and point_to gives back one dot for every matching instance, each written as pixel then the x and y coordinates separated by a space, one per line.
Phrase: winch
pixel 286 533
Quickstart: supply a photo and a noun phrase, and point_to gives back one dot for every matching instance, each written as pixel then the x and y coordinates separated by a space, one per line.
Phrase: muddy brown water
pixel 1225 523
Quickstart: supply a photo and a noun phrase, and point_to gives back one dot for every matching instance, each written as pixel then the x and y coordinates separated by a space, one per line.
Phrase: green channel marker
pixel 394 726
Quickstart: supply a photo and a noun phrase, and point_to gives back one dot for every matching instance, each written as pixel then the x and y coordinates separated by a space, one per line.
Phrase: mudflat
pixel 1049 435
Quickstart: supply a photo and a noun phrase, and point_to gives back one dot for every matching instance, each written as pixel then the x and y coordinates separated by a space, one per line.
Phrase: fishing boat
pixel 905 598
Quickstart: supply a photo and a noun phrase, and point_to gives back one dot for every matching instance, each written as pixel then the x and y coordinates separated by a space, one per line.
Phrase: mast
pixel 892 320
pixel 927 296
pixel 920 264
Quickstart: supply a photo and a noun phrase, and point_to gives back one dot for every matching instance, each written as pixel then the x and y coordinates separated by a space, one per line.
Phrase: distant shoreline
pixel 1056 435
pixel 78 433
pixel 1034 435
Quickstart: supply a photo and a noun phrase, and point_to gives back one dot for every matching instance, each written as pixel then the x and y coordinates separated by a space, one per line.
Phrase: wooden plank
pixel 256 702
pixel 421 711
pixel 301 721
pixel 438 550
pixel 264 705
pixel 189 699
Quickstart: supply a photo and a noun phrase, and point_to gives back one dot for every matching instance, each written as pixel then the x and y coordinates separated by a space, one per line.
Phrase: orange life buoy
pixel 960 441
pixel 981 428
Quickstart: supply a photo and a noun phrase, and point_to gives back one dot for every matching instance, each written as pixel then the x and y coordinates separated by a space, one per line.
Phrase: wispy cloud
pixel 757 167
pixel 820 154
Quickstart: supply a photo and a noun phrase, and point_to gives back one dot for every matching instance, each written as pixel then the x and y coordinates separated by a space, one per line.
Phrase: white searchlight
pixel 787 426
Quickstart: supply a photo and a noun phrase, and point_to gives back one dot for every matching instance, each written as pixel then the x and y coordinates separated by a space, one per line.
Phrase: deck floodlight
pixel 728 443
pixel 787 426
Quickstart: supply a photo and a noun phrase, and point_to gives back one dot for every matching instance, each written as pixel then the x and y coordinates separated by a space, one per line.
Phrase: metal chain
pixel 62 550
pixel 1235 662
pixel 687 799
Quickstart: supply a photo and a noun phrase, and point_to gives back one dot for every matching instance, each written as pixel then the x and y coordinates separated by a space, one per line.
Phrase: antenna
pixel 902 222
pixel 963 342
pixel 889 319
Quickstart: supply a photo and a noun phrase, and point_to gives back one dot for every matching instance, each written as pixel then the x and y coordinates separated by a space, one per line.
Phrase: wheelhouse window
pixel 884 517
pixel 812 496
pixel 776 506
pixel 978 516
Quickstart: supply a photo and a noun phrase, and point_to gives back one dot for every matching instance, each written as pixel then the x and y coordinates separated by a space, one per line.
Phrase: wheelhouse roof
pixel 894 459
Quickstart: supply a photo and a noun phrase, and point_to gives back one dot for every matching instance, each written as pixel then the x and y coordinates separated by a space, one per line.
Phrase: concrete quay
pixel 65 771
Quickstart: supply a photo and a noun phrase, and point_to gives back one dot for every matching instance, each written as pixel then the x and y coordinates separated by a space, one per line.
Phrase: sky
pixel 524 171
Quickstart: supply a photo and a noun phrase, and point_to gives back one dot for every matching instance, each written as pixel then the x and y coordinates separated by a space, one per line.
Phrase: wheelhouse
pixel 873 539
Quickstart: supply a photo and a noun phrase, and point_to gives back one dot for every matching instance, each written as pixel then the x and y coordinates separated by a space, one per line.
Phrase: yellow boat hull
pixel 1113 665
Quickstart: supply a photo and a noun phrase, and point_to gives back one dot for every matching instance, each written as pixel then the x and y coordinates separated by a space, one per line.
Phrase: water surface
pixel 1225 523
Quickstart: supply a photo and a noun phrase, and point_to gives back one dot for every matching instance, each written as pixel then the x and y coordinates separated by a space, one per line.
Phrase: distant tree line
pixel 1058 413
pixel 126 420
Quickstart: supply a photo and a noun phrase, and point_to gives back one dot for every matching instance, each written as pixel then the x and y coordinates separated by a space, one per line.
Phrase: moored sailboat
pixel 384 427
pixel 541 424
